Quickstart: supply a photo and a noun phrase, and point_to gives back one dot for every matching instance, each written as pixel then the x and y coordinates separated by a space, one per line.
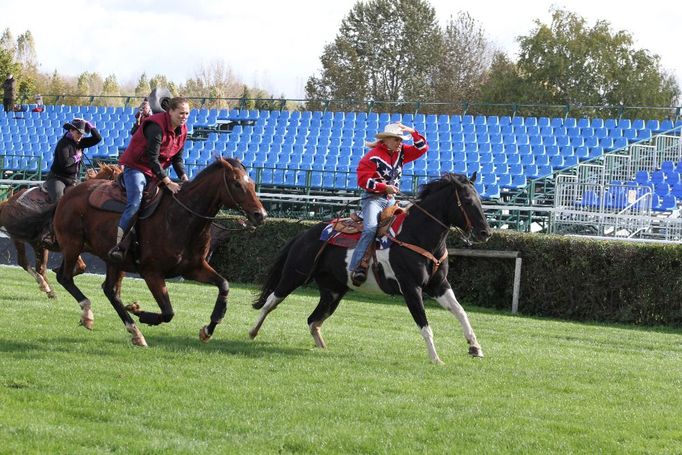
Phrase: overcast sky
pixel 276 44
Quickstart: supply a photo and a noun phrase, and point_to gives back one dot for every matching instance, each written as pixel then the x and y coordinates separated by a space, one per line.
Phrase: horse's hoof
pixel 438 362
pixel 51 295
pixel 475 351
pixel 87 323
pixel 204 335
pixel 253 334
pixel 134 308
pixel 139 341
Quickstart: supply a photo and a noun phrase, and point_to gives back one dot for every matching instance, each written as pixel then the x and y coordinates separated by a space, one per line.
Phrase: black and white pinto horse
pixel 415 263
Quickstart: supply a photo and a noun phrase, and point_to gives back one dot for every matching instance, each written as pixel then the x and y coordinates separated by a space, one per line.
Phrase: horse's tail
pixel 274 274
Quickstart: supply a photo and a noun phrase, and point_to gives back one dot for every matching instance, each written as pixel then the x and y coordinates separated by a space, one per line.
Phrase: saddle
pixel 354 223
pixel 111 197
pixel 345 232
pixel 36 200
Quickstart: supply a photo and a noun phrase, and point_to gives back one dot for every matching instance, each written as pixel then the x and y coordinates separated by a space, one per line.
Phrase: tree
pixel 215 80
pixel 464 62
pixel 384 52
pixel 7 42
pixel 568 62
pixel 159 80
pixel 143 89
pixel 110 88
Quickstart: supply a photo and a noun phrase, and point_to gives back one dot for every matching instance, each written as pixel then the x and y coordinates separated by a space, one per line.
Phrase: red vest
pixel 135 155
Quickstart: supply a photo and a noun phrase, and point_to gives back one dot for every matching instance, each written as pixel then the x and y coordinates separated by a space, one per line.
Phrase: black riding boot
pixel 118 253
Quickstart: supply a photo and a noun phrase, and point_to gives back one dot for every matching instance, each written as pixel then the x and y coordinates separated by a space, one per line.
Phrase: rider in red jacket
pixel 379 173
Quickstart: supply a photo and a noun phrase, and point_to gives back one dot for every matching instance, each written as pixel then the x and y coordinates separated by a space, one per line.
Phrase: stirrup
pixel 117 254
pixel 358 276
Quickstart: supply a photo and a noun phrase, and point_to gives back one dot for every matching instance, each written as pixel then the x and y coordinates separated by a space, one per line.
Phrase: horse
pixel 173 241
pixel 24 216
pixel 414 263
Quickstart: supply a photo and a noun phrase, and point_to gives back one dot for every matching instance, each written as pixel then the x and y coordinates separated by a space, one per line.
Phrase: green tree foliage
pixel 110 88
pixel 142 89
pixel 384 52
pixel 570 62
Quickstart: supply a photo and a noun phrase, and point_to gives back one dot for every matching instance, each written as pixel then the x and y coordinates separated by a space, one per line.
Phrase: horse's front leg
pixel 206 274
pixel 415 303
pixel 446 298
pixel 157 285
pixel 112 289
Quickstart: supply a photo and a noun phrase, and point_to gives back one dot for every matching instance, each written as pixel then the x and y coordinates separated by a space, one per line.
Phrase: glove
pixel 78 156
pixel 88 126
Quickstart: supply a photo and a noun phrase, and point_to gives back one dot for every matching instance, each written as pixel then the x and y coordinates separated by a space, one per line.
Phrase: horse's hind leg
pixel 22 260
pixel 329 301
pixel 80 266
pixel 65 278
pixel 41 270
pixel 448 301
pixel 112 289
pixel 270 304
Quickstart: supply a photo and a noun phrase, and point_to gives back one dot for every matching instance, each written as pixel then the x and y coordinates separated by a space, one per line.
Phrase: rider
pixel 154 147
pixel 66 162
pixel 68 153
pixel 144 111
pixel 379 173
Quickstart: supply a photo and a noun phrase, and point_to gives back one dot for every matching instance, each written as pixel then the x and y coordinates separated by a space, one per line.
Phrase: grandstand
pixel 582 171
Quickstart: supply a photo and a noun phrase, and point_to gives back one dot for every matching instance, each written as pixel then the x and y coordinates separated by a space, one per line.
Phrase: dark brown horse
pixel 25 215
pixel 173 241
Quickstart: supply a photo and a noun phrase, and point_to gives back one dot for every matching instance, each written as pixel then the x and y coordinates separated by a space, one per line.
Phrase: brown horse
pixel 25 215
pixel 173 241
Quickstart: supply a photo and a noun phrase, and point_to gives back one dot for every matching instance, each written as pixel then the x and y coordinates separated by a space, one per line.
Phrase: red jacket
pixel 378 168
pixel 137 156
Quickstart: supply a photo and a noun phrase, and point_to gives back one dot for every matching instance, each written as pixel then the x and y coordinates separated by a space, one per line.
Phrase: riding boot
pixel 48 238
pixel 359 275
pixel 118 253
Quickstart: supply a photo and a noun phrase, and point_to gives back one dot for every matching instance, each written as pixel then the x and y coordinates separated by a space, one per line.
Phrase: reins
pixel 213 219
pixel 464 235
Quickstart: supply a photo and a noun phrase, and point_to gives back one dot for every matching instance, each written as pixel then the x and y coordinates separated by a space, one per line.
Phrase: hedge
pixel 564 277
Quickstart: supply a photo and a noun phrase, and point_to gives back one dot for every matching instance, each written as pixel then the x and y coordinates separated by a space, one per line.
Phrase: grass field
pixel 545 386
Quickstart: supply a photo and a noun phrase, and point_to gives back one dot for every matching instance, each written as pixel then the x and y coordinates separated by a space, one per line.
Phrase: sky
pixel 275 44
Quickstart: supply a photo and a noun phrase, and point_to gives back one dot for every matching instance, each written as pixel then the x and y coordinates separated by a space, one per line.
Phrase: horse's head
pixel 465 211
pixel 240 191
pixel 105 172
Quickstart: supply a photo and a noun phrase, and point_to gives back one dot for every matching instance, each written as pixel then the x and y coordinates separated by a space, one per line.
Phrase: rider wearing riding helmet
pixel 155 146
pixel 379 173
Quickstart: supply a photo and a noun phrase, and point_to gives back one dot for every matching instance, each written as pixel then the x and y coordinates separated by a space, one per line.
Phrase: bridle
pixel 213 219
pixel 464 234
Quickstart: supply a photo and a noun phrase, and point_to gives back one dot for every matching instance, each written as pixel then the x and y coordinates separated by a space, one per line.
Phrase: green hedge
pixel 564 277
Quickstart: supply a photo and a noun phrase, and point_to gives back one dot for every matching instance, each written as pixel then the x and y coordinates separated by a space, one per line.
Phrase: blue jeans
pixel 371 206
pixel 134 182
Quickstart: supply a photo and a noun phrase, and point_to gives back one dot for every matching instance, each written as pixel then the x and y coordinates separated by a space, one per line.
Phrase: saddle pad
pixel 345 240
pixel 110 197
pixel 36 200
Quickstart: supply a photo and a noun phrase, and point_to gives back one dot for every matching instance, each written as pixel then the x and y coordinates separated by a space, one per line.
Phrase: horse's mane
pixel 435 185
pixel 218 164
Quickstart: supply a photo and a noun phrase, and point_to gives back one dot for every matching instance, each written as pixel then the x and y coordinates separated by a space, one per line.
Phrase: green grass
pixel 545 386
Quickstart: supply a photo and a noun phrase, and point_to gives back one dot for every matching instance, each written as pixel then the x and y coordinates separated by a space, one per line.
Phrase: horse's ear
pixel 473 177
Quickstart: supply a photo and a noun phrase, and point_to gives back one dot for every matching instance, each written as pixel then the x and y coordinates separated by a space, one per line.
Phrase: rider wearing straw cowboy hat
pixel 379 173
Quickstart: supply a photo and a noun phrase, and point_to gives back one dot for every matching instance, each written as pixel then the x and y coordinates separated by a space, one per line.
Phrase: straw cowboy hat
pixel 392 130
